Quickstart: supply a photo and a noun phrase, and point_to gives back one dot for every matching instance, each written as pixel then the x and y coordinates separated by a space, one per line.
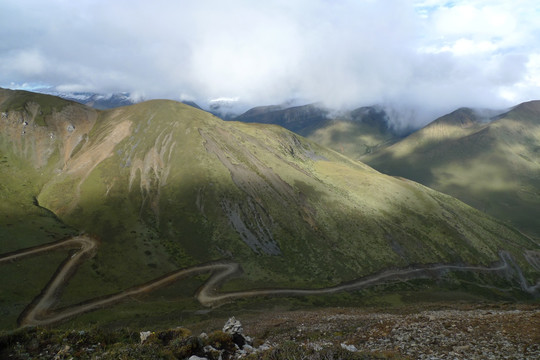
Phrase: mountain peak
pixel 463 117
pixel 528 111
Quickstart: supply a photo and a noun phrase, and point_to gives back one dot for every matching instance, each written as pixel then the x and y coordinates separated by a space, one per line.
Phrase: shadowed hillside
pixel 300 119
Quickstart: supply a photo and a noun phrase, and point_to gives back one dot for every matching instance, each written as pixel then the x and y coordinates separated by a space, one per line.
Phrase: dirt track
pixel 39 311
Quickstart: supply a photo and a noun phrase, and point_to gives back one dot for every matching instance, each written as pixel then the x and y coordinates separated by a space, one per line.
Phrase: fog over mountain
pixel 427 57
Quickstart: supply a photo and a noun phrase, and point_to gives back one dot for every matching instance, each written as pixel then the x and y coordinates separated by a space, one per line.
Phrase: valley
pixel 40 312
pixel 173 202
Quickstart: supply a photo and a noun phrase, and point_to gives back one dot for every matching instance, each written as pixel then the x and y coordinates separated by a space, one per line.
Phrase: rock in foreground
pixel 492 333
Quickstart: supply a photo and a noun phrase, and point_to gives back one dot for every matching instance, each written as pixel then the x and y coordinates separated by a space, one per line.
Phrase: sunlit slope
pixel 492 166
pixel 164 185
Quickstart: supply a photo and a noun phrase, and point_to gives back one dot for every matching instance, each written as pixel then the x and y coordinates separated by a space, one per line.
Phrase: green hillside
pixel 493 166
pixel 164 186
pixel 357 133
pixel 300 119
pixel 354 133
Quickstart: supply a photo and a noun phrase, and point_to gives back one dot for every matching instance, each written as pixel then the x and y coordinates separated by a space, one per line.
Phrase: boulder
pixel 234 327
pixel 144 335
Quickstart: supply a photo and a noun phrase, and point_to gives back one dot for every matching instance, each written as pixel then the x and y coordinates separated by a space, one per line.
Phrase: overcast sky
pixel 430 54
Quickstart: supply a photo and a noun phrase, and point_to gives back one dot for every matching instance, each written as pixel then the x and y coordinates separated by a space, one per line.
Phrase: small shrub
pixel 292 350
pixel 168 335
pixel 185 347
pixel 152 340
pixel 221 341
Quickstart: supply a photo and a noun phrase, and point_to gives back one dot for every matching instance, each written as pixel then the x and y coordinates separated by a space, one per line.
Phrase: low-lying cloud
pixel 428 55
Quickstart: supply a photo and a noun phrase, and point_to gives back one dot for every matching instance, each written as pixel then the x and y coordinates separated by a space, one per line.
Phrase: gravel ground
pixel 433 334
pixel 445 332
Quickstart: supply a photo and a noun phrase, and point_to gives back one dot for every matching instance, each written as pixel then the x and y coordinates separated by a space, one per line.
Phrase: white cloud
pixel 478 21
pixel 529 86
pixel 503 24
pixel 463 47
pixel 430 54
pixel 533 71
pixel 27 62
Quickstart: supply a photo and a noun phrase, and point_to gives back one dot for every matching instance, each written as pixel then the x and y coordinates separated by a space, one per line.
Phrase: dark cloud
pixel 423 55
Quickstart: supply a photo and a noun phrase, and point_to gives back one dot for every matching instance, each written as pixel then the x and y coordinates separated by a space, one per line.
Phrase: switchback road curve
pixel 40 312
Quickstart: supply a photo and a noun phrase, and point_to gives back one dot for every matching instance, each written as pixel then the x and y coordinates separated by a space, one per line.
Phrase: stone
pixel 239 340
pixel 195 357
pixel 233 326
pixel 144 335
pixel 265 346
pixel 63 352
pixel 350 348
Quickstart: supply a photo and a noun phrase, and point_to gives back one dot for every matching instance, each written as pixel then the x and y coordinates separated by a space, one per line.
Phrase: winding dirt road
pixel 40 312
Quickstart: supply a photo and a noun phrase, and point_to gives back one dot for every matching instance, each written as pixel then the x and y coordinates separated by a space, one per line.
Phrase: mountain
pixel 358 132
pixel 97 101
pixel 493 165
pixel 353 133
pixel 192 104
pixel 299 119
pixel 105 101
pixel 224 107
pixel 158 186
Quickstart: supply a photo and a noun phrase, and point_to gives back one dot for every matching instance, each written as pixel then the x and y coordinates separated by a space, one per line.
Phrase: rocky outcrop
pixel 234 327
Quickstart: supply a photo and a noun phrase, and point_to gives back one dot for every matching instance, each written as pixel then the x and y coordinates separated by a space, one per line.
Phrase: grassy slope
pixel 494 167
pixel 164 185
pixel 355 133
pixel 22 223
pixel 354 139
pixel 24 128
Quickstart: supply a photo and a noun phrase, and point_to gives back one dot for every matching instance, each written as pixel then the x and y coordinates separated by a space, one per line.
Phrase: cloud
pixel 432 55
pixel 28 62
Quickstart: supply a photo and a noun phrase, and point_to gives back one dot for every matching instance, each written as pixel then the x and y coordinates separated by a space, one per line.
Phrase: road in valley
pixel 40 311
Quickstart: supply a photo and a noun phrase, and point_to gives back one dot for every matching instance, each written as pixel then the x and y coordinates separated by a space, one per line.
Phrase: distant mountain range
pixel 102 101
pixel 353 133
pixel 162 186
pixel 97 101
